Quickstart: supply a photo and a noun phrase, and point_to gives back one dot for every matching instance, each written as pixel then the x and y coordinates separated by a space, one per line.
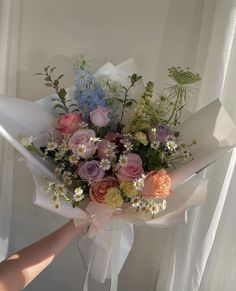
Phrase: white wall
pixel 55 31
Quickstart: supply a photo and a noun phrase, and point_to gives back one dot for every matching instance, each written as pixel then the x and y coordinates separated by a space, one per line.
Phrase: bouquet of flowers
pixel 110 148
pixel 109 151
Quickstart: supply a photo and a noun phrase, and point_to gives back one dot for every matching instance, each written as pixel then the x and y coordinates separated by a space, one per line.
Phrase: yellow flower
pixel 129 189
pixel 140 136
pixel 113 198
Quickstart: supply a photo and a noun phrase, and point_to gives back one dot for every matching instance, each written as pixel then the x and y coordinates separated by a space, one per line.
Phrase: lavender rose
pixel 91 171
pixel 99 116
pixel 162 132
pixel 82 137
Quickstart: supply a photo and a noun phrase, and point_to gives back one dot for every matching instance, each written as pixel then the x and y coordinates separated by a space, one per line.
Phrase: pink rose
pixel 99 189
pixel 83 137
pixel 132 170
pixel 69 123
pixel 157 184
pixel 91 171
pixel 102 146
pixel 99 116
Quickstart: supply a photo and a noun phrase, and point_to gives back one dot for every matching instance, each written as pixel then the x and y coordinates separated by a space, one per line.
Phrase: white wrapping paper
pixel 211 127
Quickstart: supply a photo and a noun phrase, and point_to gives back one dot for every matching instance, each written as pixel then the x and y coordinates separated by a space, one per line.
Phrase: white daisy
pixel 51 146
pixel 110 153
pixel 81 149
pixel 95 139
pixel 154 208
pixel 79 195
pixel 155 145
pixel 123 160
pixel 139 184
pixel 171 145
pixel 105 164
pixel 26 140
pixel 73 159
pixel 128 145
pixel 136 202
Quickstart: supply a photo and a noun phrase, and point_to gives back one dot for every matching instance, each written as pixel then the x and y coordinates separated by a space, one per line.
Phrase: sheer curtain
pixel 9 25
pixel 201 256
pixel 195 33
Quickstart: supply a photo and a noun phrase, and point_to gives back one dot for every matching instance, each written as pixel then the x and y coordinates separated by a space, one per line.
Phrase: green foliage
pixel 60 102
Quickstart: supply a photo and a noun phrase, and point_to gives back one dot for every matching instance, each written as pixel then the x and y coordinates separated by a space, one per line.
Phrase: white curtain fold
pixel 9 28
pixel 188 250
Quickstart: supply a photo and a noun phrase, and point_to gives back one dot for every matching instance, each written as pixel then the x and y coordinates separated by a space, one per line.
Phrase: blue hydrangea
pixel 88 92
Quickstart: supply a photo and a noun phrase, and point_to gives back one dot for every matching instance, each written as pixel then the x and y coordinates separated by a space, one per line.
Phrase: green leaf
pixel 61 76
pixel 46 69
pixel 39 74
pixel 120 100
pixel 62 93
pixel 128 104
pixel 56 83
pixel 59 106
pixel 48 84
pixel 52 69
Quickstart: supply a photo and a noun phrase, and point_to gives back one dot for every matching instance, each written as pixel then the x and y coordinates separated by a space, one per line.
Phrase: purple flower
pixel 91 171
pixel 162 132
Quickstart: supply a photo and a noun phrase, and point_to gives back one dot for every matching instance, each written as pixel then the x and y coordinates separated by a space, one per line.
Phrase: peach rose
pixel 157 184
pixel 99 189
pixel 132 170
pixel 69 123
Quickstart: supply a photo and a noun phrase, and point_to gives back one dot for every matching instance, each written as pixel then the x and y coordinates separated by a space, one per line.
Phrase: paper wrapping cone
pixel 211 127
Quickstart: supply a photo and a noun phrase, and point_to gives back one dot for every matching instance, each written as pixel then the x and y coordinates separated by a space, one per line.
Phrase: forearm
pixel 22 267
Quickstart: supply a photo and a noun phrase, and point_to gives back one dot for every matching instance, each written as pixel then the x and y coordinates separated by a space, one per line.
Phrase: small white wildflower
pixel 67 181
pixel 95 139
pixel 51 146
pixel 54 198
pixel 26 140
pixel 154 208
pixel 128 145
pixel 155 145
pixel 128 135
pixel 59 156
pixel 49 186
pixel 66 174
pixel 136 202
pixel 81 149
pixel 60 189
pixel 139 184
pixel 57 205
pixel 123 160
pixel 79 195
pixel 171 145
pixel 145 208
pixel 83 125
pixel 73 159
pixel 112 146
pixel 170 137
pixel 57 171
pixel 64 147
pixel 110 153
pixel 163 205
pixel 105 164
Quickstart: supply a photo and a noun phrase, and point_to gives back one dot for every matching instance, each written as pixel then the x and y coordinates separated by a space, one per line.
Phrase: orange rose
pixel 157 184
pixel 99 189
